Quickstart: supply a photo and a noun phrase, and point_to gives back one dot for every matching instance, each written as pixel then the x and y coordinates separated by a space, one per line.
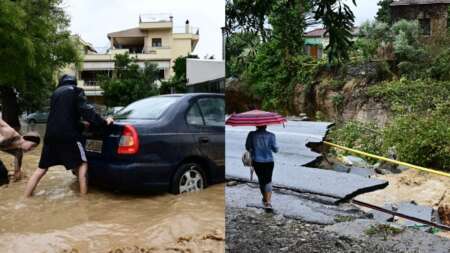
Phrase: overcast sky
pixel 94 19
pixel 364 10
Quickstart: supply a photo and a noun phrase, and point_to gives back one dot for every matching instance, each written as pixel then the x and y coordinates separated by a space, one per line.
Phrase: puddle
pixel 56 219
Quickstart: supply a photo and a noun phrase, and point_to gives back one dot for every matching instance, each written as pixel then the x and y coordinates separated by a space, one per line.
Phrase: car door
pixel 196 124
pixel 213 112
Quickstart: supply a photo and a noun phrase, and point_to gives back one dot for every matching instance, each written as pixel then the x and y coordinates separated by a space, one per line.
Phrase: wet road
pixel 305 207
pixel 56 219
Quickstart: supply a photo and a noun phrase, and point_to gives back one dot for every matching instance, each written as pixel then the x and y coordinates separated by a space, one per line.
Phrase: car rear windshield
pixel 149 108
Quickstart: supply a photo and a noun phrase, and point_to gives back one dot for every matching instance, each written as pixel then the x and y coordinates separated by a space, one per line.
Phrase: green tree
pixel 240 50
pixel 256 16
pixel 249 16
pixel 384 11
pixel 338 19
pixel 34 44
pixel 289 37
pixel 372 35
pixel 129 81
pixel 177 83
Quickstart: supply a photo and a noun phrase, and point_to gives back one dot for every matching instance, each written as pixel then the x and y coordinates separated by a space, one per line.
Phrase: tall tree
pixel 384 11
pixel 257 16
pixel 34 43
pixel 129 82
pixel 338 20
pixel 249 16
pixel 177 82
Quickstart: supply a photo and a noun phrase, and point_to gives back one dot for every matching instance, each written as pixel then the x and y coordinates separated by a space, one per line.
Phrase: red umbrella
pixel 255 118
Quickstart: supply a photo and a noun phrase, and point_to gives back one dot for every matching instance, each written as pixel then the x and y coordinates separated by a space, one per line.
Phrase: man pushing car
pixel 63 141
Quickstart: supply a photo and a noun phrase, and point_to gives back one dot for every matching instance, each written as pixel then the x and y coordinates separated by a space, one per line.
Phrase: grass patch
pixel 340 218
pixel 384 230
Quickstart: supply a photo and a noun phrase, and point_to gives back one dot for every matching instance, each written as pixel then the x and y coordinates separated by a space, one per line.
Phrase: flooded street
pixel 56 219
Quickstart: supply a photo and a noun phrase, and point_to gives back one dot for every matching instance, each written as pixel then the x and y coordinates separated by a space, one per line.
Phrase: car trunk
pixel 103 143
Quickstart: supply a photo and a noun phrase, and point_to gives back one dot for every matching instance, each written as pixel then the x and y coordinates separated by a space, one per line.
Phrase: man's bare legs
pixel 39 173
pixel 82 170
pixel 34 180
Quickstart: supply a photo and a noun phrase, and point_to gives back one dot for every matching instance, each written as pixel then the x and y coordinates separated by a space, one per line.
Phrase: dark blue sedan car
pixel 171 143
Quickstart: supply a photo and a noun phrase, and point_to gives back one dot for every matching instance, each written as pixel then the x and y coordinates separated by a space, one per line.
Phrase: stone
pixel 355 161
pixel 444 209
pixel 364 172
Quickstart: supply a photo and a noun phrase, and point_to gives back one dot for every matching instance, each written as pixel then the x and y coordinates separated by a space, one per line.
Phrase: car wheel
pixel 32 121
pixel 188 178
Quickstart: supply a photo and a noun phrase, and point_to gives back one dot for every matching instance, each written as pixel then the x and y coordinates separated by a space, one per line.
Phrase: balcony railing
pixel 155 17
pixel 184 29
pixel 91 83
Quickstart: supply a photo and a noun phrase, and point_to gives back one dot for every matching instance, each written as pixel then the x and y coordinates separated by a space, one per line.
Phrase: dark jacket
pixel 67 107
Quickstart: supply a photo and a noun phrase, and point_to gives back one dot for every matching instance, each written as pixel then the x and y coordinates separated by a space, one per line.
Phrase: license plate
pixel 94 146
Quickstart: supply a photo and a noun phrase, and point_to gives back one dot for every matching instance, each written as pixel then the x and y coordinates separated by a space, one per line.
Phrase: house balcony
pixel 160 53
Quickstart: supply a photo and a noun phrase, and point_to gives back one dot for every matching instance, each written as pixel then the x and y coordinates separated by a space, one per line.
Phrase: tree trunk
pixel 10 108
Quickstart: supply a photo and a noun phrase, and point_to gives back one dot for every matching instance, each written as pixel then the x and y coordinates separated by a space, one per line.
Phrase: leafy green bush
pixel 372 35
pixel 440 69
pixel 361 136
pixel 420 139
pixel 406 96
pixel 338 101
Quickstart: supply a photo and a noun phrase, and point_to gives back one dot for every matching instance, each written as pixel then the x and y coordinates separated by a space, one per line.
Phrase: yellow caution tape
pixel 388 160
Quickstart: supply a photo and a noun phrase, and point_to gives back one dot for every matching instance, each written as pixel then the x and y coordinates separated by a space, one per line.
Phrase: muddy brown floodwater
pixel 56 219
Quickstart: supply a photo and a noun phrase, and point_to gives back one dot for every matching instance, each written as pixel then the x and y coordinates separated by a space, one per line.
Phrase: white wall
pixel 198 71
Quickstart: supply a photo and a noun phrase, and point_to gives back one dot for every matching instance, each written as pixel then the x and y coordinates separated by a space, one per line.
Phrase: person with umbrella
pixel 261 144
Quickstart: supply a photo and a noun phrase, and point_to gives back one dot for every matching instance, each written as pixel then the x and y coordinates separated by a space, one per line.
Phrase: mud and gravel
pixel 252 230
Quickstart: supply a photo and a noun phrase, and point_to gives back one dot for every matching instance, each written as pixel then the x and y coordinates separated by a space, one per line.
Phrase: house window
pixel 156 42
pixel 425 26
pixel 161 75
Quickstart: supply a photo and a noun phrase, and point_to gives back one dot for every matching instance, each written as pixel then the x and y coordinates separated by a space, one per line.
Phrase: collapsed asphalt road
pixel 313 223
pixel 290 171
pixel 311 213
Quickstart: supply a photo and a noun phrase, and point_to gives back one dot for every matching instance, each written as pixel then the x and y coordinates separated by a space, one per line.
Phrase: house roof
pixel 84 43
pixel 321 32
pixel 133 32
pixel 418 2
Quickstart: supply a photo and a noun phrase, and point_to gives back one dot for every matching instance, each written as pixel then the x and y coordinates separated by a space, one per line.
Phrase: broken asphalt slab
pixel 290 171
pixel 292 205
pixel 406 240
pixel 410 209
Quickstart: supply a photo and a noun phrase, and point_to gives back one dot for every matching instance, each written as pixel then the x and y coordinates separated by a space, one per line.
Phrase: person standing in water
pixel 63 137
pixel 261 144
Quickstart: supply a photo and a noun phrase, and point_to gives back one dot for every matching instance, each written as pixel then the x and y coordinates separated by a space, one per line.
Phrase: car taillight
pixel 129 141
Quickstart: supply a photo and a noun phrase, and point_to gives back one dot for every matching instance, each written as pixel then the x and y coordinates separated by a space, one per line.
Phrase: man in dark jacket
pixel 63 142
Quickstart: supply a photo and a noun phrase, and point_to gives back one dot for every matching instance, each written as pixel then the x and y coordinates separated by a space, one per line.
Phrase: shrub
pixel 440 68
pixel 420 139
pixel 338 101
pixel 406 96
pixel 361 136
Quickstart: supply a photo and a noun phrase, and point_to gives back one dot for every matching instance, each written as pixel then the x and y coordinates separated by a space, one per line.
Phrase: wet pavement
pixel 56 219
pixel 308 208
pixel 290 171
pixel 406 240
